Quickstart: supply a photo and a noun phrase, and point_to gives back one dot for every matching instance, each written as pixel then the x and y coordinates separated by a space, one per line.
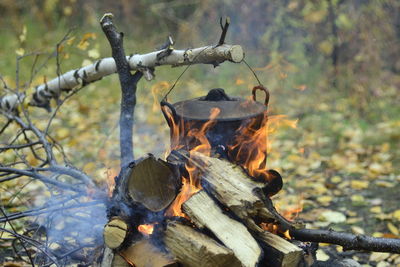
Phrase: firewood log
pixel 119 261
pixel 279 252
pixel 152 183
pixel 194 249
pixel 235 190
pixel 108 257
pixel 115 232
pixel 205 213
pixel 144 254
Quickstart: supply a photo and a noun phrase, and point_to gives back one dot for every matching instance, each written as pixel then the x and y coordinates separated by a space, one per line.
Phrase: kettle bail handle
pixel 262 88
pixel 171 108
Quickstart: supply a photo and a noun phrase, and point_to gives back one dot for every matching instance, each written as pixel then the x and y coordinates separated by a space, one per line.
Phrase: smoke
pixel 75 223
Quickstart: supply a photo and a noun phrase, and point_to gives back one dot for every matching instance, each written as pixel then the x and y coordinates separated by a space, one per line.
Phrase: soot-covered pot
pixel 217 115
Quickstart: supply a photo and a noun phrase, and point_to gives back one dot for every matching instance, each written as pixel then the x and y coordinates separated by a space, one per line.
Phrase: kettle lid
pixel 231 108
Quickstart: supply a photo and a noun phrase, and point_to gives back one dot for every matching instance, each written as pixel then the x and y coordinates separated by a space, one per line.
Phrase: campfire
pixel 209 203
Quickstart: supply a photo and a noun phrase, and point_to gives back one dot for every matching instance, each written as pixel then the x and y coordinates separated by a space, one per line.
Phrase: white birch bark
pixel 106 66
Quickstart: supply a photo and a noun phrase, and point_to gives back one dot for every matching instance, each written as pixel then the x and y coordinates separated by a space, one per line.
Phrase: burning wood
pixel 152 183
pixel 243 242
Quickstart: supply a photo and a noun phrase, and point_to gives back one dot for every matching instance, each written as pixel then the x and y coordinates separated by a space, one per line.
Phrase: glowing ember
pixel 146 229
pixel 191 184
pixel 287 234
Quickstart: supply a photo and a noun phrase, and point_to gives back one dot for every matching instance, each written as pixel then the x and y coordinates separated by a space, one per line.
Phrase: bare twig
pixel 34 243
pixel 20 240
pixel 42 178
pixel 46 209
pixel 224 30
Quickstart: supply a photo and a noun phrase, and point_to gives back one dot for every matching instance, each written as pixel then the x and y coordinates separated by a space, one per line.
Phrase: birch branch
pixel 214 55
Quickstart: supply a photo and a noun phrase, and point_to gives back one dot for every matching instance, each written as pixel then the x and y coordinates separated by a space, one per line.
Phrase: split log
pixel 205 213
pixel 194 249
pixel 235 190
pixel 119 261
pixel 144 254
pixel 152 183
pixel 279 252
pixel 108 257
pixel 115 232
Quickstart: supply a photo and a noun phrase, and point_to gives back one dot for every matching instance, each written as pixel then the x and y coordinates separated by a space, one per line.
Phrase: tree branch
pixel 128 84
pixel 80 77
pixel 346 240
pixel 42 178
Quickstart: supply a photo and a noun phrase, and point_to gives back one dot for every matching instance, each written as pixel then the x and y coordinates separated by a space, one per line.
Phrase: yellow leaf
pixel 396 215
pixel 62 133
pixel 377 234
pixel 376 168
pixel 325 200
pixel 71 40
pixel 336 179
pixel 94 53
pixel 83 45
pixel 339 161
pixel 357 230
pixel 357 198
pixel 22 37
pixel 379 256
pixel 358 185
pixel 393 229
pixel 385 184
pixel 20 51
pixel 376 209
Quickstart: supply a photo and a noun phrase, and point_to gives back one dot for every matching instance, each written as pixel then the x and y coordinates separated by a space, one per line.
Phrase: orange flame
pixel 191 185
pixel 250 146
pixel 146 229
pixel 292 208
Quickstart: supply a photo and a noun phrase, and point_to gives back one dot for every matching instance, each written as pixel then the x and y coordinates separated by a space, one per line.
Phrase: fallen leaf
pixel 379 256
pixel 357 230
pixel 336 179
pixel 359 185
pixel 383 264
pixel 376 168
pixel 396 215
pixel 321 255
pixel 324 200
pixel 333 216
pixel 384 184
pixel 376 209
pixel 393 229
